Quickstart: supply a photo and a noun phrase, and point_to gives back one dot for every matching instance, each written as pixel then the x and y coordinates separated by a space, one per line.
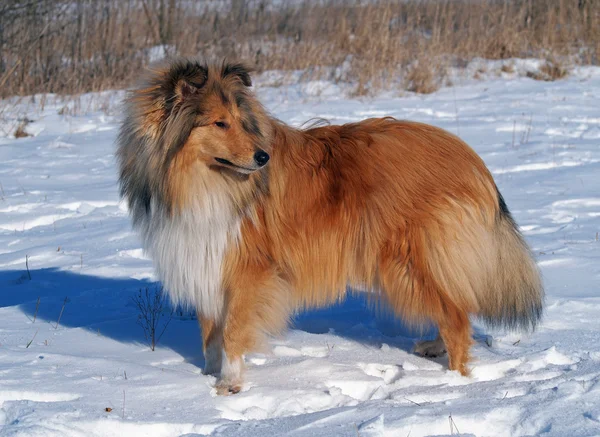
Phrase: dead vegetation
pixel 549 71
pixel 507 68
pixel 20 132
pixel 152 307
pixel 422 77
pixel 75 46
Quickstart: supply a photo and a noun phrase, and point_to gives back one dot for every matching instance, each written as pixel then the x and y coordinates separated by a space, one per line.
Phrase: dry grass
pixel 508 68
pixel 422 77
pixel 549 71
pixel 76 46
pixel 21 132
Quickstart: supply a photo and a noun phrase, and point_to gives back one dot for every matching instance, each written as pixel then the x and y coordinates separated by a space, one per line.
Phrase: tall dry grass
pixel 75 46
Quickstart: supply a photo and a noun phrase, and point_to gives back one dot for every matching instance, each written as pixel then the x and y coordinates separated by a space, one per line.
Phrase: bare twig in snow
pixel 514 131
pixel 37 307
pixel 456 112
pixel 151 306
pixel 453 426
pixel 61 312
pixel 31 341
pixel 27 265
pixel 416 403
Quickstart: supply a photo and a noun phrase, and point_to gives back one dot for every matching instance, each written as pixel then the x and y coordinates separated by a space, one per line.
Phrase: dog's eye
pixel 221 124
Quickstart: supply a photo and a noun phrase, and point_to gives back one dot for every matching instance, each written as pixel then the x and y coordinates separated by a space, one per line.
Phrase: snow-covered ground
pixel 338 372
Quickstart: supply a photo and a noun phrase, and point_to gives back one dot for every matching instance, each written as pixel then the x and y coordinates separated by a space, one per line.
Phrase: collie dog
pixel 248 219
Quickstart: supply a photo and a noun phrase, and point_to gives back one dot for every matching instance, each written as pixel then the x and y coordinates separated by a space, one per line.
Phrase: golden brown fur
pixel 404 210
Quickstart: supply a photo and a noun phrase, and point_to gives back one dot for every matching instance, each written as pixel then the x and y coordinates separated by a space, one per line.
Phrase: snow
pixel 339 371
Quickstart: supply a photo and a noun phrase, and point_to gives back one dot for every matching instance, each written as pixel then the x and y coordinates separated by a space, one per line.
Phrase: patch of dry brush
pixel 76 46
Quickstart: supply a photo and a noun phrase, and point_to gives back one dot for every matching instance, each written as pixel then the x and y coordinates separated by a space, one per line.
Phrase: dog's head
pixel 209 111
pixel 187 115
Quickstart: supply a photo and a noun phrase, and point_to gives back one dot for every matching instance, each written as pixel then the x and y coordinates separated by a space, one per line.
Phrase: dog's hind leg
pixel 455 331
pixel 431 348
pixel 415 295
pixel 212 345
pixel 454 337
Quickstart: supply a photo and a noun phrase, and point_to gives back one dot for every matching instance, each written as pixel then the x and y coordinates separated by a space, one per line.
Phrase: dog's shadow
pixel 357 318
pixel 106 306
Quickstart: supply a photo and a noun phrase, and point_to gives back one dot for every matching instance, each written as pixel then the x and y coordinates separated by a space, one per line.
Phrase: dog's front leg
pixel 237 339
pixel 258 304
pixel 212 345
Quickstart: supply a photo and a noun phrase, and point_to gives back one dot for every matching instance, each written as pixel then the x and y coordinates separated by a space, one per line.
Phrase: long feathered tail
pixel 515 295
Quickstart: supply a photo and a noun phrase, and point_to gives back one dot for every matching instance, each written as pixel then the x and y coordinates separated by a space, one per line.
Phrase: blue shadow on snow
pixel 105 305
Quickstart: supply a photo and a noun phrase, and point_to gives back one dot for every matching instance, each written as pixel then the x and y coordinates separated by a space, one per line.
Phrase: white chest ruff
pixel 188 251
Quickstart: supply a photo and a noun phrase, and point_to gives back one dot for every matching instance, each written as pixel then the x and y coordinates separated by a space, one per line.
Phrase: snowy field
pixel 338 372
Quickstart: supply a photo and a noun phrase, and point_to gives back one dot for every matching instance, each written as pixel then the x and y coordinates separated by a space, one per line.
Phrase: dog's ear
pixel 187 88
pixel 189 79
pixel 241 71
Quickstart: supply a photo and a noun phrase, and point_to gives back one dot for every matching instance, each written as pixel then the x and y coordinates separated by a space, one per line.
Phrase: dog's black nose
pixel 261 157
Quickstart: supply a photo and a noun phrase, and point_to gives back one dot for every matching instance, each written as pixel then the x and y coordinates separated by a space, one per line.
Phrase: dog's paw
pixel 230 380
pixel 225 388
pixel 431 349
